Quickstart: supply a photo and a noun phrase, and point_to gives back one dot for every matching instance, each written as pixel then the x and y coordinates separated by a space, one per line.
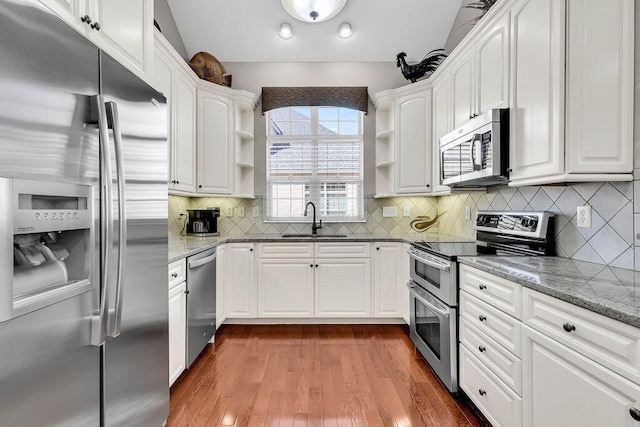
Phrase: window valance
pixel 346 97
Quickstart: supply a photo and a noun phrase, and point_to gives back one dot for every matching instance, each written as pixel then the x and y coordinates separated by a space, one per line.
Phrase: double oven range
pixel 434 280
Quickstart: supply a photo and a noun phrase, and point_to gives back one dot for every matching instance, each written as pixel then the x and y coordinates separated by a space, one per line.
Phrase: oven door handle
pixel 430 263
pixel 429 305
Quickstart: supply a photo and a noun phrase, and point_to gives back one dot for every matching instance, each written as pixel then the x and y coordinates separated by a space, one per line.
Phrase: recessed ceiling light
pixel 345 30
pixel 313 10
pixel 286 30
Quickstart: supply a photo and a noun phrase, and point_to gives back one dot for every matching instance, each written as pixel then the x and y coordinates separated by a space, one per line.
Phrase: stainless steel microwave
pixel 477 154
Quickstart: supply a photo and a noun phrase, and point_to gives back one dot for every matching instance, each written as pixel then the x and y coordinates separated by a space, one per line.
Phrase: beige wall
pixel 164 17
pixel 377 76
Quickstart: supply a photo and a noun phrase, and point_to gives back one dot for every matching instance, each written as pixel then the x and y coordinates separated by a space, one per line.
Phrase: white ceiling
pixel 246 30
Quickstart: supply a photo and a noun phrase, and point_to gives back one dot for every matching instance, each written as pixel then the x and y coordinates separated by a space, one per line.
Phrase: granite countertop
pixel 612 292
pixel 183 247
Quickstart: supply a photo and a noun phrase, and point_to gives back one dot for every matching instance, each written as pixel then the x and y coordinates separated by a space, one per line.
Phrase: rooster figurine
pixel 429 64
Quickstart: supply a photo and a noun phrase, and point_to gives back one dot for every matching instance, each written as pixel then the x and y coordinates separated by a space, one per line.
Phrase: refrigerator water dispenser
pixel 49 226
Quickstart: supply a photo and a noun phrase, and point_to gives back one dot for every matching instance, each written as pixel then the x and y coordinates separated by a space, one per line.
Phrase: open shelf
pixel 384 164
pixel 244 164
pixel 244 134
pixel 384 134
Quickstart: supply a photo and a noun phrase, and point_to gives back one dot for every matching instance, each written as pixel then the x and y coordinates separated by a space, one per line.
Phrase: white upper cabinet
pixel 599 86
pixel 442 124
pixel 572 91
pixel 215 151
pixel 413 140
pixel 122 28
pixel 492 65
pixel 536 140
pixel 462 85
pixel 172 77
pixel 183 109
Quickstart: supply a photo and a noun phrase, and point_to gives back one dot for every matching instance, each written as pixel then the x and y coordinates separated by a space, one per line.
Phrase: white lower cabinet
pixel 564 388
pixel 177 319
pixel 388 286
pixel 240 282
pixel 499 404
pixel 285 287
pixel 343 288
pixel 562 365
pixel 221 277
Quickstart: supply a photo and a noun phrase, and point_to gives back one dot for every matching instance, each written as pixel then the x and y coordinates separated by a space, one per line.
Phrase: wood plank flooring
pixel 313 375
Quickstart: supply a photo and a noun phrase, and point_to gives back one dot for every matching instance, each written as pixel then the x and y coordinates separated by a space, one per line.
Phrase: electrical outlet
pixel 467 212
pixel 584 217
pixel 389 211
pixel 406 211
pixel 229 212
pixel 256 211
pixel 240 212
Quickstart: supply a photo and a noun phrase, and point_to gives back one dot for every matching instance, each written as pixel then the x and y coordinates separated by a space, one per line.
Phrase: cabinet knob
pixel 96 26
pixel 316 265
pixel 482 392
pixel 174 275
pixel 635 414
pixel 86 19
pixel 200 186
pixel 377 249
pixel 470 116
pixel 428 186
pixel 482 287
pixel 250 249
pixel 311 265
pixel 569 327
pixel 177 182
pixel 186 292
pixel 482 317
pixel 482 349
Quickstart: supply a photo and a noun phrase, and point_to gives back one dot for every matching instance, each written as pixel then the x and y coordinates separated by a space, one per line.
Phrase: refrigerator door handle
pixel 99 322
pixel 113 329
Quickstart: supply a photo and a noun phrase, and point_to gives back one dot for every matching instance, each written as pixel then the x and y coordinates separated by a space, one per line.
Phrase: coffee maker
pixel 203 222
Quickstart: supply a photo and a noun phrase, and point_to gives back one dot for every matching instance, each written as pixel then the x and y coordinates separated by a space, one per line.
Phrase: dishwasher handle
pixel 200 262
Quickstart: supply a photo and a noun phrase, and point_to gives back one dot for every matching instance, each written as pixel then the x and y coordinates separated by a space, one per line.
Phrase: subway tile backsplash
pixel 610 240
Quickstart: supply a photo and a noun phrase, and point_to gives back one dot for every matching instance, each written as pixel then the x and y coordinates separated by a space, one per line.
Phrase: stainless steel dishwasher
pixel 201 302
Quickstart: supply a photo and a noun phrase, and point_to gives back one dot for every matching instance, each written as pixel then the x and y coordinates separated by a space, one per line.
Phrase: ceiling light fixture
pixel 313 10
pixel 345 30
pixel 286 30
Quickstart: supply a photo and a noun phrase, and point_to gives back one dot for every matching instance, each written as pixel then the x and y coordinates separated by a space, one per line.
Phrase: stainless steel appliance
pixel 203 222
pixel 83 231
pixel 434 280
pixel 477 154
pixel 201 302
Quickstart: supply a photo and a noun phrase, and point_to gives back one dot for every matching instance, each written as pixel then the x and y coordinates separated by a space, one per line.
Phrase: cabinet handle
pixel 635 414
pixel 174 275
pixel 482 287
pixel 470 116
pixel 316 265
pixel 482 317
pixel 86 19
pixel 482 392
pixel 569 327
pixel 311 265
pixel 482 349
pixel 96 26
pixel 186 292
pixel 177 182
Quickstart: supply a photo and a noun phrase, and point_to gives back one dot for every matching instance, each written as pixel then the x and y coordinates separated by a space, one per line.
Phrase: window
pixel 314 154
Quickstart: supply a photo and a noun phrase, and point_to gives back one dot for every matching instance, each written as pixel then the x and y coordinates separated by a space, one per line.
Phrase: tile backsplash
pixel 610 240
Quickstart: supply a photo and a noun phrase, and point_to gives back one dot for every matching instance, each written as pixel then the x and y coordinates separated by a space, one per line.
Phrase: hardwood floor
pixel 313 375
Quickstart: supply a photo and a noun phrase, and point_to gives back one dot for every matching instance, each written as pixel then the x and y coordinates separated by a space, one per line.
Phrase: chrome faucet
pixel 314 226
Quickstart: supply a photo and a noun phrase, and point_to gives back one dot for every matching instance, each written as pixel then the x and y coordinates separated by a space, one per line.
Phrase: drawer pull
pixel 482 392
pixel 482 287
pixel 569 327
pixel 174 275
pixel 482 317
pixel 482 348
pixel 635 414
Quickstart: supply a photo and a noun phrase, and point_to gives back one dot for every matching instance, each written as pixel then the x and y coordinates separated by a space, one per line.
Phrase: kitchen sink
pixel 302 235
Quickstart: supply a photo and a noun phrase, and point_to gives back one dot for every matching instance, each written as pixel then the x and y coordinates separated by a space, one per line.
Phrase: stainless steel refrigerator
pixel 83 231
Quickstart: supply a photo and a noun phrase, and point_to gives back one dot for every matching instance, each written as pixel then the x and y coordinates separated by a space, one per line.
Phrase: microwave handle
pixel 474 142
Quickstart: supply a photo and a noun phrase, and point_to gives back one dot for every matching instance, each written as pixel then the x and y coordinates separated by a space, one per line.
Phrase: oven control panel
pixel 531 224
